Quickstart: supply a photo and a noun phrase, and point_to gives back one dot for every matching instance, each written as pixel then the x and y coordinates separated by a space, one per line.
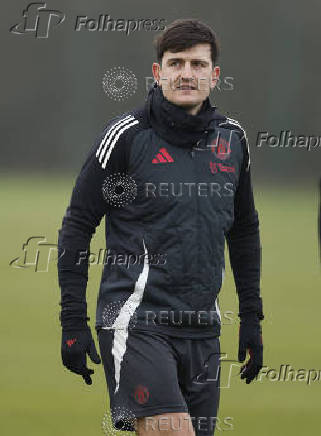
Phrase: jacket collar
pixel 174 124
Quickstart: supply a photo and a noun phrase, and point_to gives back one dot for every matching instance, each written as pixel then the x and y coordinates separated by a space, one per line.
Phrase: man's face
pixel 186 77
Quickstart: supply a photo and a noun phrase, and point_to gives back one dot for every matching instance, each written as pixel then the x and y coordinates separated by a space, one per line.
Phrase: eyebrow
pixel 180 59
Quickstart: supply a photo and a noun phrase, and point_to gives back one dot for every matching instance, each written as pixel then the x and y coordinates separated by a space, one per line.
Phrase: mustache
pixel 180 83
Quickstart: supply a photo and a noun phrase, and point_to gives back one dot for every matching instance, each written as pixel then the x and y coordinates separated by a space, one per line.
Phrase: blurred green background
pixel 53 106
pixel 38 396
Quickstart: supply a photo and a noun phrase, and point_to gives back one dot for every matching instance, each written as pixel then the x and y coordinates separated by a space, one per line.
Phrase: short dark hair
pixel 183 34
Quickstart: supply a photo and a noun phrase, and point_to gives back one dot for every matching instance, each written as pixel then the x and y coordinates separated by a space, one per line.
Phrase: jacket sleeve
pixel 86 208
pixel 243 241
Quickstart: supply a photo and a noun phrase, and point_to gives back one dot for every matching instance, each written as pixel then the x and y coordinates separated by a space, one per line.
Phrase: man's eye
pixel 198 64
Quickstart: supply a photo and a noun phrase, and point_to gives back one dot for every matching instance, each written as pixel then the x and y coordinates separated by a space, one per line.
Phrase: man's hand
pixel 75 346
pixel 250 339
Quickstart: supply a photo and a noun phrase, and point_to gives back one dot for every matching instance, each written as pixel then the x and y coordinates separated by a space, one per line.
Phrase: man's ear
pixel 215 75
pixel 156 68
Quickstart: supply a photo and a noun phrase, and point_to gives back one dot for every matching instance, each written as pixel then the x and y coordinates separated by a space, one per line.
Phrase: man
pixel 173 180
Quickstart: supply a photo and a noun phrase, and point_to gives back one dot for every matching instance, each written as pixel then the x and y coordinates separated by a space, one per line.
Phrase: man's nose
pixel 187 72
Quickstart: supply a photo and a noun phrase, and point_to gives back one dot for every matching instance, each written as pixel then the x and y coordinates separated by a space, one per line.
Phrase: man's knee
pixel 167 424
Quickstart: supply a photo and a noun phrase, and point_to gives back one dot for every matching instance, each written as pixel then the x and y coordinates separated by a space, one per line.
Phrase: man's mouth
pixel 186 87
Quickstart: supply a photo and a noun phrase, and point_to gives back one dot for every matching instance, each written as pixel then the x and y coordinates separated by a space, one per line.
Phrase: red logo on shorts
pixel 221 148
pixel 141 394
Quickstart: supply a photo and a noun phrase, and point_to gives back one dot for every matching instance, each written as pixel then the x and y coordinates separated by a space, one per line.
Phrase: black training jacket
pixel 172 187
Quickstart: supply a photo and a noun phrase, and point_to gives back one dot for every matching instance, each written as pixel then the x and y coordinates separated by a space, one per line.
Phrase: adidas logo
pixel 162 156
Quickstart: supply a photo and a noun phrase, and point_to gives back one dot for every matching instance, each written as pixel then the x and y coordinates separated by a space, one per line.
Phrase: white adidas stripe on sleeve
pixel 110 149
pixel 111 137
pixel 102 143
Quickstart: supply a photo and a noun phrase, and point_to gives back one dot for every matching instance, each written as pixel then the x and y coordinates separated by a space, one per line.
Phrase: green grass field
pixel 39 397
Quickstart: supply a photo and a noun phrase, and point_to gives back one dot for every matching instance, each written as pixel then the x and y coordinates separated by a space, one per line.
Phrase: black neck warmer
pixel 173 123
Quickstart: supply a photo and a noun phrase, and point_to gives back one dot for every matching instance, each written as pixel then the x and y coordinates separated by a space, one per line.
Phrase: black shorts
pixel 151 373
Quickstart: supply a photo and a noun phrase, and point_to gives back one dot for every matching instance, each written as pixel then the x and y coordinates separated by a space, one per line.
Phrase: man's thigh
pixel 167 424
pixel 141 374
pixel 199 378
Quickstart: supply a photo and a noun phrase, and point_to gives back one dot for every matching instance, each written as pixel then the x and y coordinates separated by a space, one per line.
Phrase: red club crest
pixel 221 148
pixel 141 394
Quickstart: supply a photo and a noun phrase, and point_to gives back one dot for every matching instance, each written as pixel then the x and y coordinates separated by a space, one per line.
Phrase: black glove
pixel 250 339
pixel 75 345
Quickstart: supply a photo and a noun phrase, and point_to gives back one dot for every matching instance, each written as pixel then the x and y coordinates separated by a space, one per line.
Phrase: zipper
pixel 193 150
pixel 194 147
